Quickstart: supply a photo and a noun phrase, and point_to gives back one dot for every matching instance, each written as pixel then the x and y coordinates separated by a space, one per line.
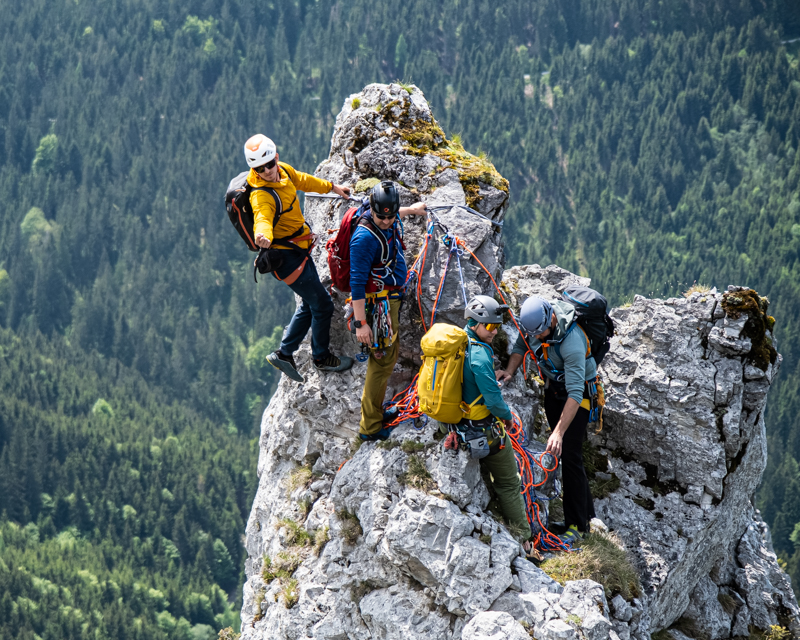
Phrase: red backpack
pixel 338 248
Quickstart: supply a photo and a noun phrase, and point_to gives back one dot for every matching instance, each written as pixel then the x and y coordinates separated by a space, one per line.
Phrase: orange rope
pixel 544 539
pixel 503 298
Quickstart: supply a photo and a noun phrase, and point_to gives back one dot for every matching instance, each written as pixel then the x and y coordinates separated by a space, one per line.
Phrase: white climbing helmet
pixel 259 150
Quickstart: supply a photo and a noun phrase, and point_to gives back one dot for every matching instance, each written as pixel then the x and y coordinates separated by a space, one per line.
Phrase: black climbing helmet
pixel 384 200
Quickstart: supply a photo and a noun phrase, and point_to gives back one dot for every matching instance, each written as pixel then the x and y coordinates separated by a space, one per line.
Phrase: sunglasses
pixel 491 326
pixel 266 167
pixel 387 216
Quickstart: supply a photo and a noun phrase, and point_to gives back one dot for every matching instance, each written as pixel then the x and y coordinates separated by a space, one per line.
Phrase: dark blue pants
pixel 315 311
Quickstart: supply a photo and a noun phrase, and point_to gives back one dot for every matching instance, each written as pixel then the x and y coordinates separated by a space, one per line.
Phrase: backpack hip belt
pixel 481 437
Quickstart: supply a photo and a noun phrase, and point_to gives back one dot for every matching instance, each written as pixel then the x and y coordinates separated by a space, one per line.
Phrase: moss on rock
pixel 748 302
pixel 366 184
pixel 422 137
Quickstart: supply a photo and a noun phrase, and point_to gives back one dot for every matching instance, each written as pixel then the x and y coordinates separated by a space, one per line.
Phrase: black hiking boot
pixel 285 364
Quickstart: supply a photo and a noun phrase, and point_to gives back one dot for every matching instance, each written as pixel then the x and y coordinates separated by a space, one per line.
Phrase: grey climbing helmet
pixel 484 309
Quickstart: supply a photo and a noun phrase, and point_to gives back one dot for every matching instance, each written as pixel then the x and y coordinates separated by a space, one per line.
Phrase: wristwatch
pixel 358 324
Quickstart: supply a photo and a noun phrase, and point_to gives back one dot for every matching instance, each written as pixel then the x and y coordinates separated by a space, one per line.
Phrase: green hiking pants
pixel 502 468
pixel 378 373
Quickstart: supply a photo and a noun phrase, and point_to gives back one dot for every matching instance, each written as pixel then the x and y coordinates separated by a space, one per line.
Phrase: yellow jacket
pixel 287 187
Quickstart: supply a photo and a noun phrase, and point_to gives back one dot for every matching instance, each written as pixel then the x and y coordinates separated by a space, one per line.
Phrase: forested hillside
pixel 648 145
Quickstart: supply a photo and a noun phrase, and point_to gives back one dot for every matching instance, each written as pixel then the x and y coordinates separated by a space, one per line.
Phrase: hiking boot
pixel 285 364
pixel 571 536
pixel 383 434
pixel 390 414
pixel 332 363
pixel 557 527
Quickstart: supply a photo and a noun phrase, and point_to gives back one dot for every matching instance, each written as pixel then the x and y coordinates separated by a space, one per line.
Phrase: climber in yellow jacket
pixel 280 231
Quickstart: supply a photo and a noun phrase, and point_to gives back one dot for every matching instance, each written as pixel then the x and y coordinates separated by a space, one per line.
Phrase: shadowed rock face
pixel 395 541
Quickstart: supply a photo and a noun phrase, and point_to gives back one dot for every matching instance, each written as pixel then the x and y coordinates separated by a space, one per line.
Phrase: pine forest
pixel 650 145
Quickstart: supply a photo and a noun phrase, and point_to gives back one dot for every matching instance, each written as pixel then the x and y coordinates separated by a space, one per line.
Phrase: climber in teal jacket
pixel 489 412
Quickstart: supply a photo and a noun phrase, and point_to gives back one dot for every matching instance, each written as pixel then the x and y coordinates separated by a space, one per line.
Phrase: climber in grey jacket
pixel 564 355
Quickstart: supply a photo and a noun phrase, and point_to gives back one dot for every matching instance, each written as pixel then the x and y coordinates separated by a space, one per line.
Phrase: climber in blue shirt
pixel 377 276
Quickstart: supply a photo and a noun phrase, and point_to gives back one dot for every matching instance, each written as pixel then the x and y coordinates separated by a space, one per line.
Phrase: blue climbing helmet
pixel 535 315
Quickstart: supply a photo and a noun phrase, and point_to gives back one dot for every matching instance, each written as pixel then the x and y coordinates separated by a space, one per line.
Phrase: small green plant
pixel 289 593
pixel 305 505
pixel 601 488
pixel 411 446
pixel 696 288
pixel 299 478
pixel 321 537
pixel 602 559
pixel 295 533
pixel 281 568
pixel 775 632
pixel 406 85
pixel 228 634
pixel 351 527
pixel 486 539
pixel 259 599
pixel 573 619
pixel 388 445
pixel 417 475
pixel 356 103
pixel 366 184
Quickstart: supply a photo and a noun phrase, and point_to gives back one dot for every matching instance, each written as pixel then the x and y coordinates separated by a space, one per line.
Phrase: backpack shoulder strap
pixel 367 223
pixel 557 345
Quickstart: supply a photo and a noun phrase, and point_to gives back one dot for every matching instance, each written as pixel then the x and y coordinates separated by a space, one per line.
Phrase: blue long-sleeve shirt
pixel 569 357
pixel 365 260
pixel 479 378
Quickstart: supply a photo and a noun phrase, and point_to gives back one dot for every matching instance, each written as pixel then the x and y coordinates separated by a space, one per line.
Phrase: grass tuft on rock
pixel 321 537
pixel 412 446
pixel 299 478
pixel 289 593
pixel 417 475
pixel 295 533
pixel 351 527
pixel 602 559
pixel 696 288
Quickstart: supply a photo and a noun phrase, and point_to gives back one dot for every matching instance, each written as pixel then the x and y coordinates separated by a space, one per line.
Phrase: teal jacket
pixel 479 378
pixel 569 357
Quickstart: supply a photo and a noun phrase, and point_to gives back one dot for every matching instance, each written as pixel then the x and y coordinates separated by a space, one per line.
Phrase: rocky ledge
pixel 395 540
